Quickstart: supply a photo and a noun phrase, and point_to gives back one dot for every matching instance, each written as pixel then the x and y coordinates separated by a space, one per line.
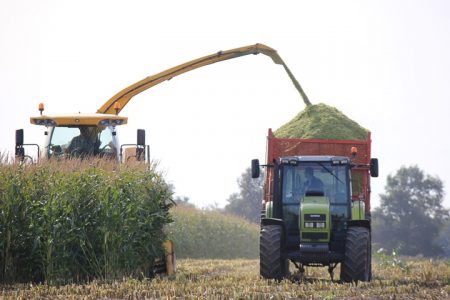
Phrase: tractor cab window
pixel 80 141
pixel 314 179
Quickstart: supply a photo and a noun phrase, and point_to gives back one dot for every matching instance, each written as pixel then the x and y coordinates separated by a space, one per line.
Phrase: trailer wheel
pixel 357 259
pixel 271 263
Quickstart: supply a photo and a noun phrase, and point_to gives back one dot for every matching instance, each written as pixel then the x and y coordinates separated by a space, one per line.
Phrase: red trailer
pixel 357 150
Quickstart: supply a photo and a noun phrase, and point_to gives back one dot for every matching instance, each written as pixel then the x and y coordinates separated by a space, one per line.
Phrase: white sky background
pixel 385 64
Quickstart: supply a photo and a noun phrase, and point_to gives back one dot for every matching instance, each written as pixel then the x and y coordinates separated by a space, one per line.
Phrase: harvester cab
pixel 83 135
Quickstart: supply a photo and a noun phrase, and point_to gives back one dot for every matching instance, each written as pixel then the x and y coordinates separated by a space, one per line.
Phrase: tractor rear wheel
pixel 357 259
pixel 271 263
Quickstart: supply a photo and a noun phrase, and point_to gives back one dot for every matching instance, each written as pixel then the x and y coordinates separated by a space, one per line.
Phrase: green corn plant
pixel 75 221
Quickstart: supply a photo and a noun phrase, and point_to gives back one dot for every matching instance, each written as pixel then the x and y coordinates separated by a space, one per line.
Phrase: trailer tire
pixel 357 259
pixel 271 263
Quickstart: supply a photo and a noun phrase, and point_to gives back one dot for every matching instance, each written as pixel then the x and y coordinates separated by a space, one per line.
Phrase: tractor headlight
pixel 309 225
pixel 320 225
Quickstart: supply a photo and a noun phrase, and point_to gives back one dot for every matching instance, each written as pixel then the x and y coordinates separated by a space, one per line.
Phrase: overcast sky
pixel 385 64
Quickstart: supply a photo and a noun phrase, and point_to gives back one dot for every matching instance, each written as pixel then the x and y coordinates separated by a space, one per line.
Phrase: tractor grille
pixel 315 235
pixel 315 217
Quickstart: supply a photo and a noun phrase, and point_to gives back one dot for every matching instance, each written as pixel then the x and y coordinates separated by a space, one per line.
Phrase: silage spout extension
pixel 124 96
pixel 272 53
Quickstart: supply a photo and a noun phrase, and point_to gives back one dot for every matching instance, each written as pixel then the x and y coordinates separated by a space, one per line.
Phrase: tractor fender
pixel 272 221
pixel 359 223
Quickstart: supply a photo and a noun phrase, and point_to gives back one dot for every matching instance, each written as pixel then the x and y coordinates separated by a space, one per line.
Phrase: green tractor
pixel 310 217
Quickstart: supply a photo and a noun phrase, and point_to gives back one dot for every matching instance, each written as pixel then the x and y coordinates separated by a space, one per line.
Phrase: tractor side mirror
pixel 20 151
pixel 374 167
pixel 140 149
pixel 255 168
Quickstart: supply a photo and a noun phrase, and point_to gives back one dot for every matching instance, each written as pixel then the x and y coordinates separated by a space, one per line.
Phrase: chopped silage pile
pixel 321 121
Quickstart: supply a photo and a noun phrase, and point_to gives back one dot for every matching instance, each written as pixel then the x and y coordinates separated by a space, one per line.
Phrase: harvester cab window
pixel 79 141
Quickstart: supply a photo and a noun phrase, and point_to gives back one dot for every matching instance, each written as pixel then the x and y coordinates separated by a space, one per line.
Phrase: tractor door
pixel 291 194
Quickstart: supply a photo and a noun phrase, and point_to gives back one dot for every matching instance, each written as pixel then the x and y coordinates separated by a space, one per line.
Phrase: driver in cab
pixel 86 143
pixel 312 183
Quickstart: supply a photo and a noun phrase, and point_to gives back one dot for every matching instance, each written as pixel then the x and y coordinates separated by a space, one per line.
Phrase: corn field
pixel 75 221
pixel 211 234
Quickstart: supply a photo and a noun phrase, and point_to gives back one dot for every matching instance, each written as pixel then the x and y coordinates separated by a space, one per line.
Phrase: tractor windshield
pixel 314 179
pixel 80 141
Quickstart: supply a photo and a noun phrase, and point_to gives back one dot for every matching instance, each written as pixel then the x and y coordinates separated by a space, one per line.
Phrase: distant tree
pixel 179 200
pixel 247 203
pixel 183 200
pixel 444 239
pixel 411 214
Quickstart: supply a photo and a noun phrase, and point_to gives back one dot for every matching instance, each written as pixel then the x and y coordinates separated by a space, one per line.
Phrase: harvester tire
pixel 271 263
pixel 357 259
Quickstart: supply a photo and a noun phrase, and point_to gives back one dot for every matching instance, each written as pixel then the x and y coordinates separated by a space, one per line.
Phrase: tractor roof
pixel 315 158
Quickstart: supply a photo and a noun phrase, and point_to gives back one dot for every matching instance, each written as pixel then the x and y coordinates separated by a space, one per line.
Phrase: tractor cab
pixel 311 218
pixel 314 201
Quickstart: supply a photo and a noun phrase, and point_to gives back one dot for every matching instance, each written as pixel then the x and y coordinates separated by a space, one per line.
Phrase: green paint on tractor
pixel 314 219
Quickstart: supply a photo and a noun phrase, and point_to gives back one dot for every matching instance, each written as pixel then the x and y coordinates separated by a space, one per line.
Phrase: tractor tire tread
pixel 356 264
pixel 272 266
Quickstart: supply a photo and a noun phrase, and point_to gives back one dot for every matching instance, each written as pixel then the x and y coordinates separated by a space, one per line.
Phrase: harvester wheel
pixel 271 263
pixel 357 260
pixel 159 267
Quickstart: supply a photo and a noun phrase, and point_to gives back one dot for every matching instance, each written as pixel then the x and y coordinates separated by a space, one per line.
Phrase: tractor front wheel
pixel 357 259
pixel 271 263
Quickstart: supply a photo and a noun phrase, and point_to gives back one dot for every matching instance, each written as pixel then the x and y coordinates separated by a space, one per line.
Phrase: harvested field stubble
pixel 239 279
